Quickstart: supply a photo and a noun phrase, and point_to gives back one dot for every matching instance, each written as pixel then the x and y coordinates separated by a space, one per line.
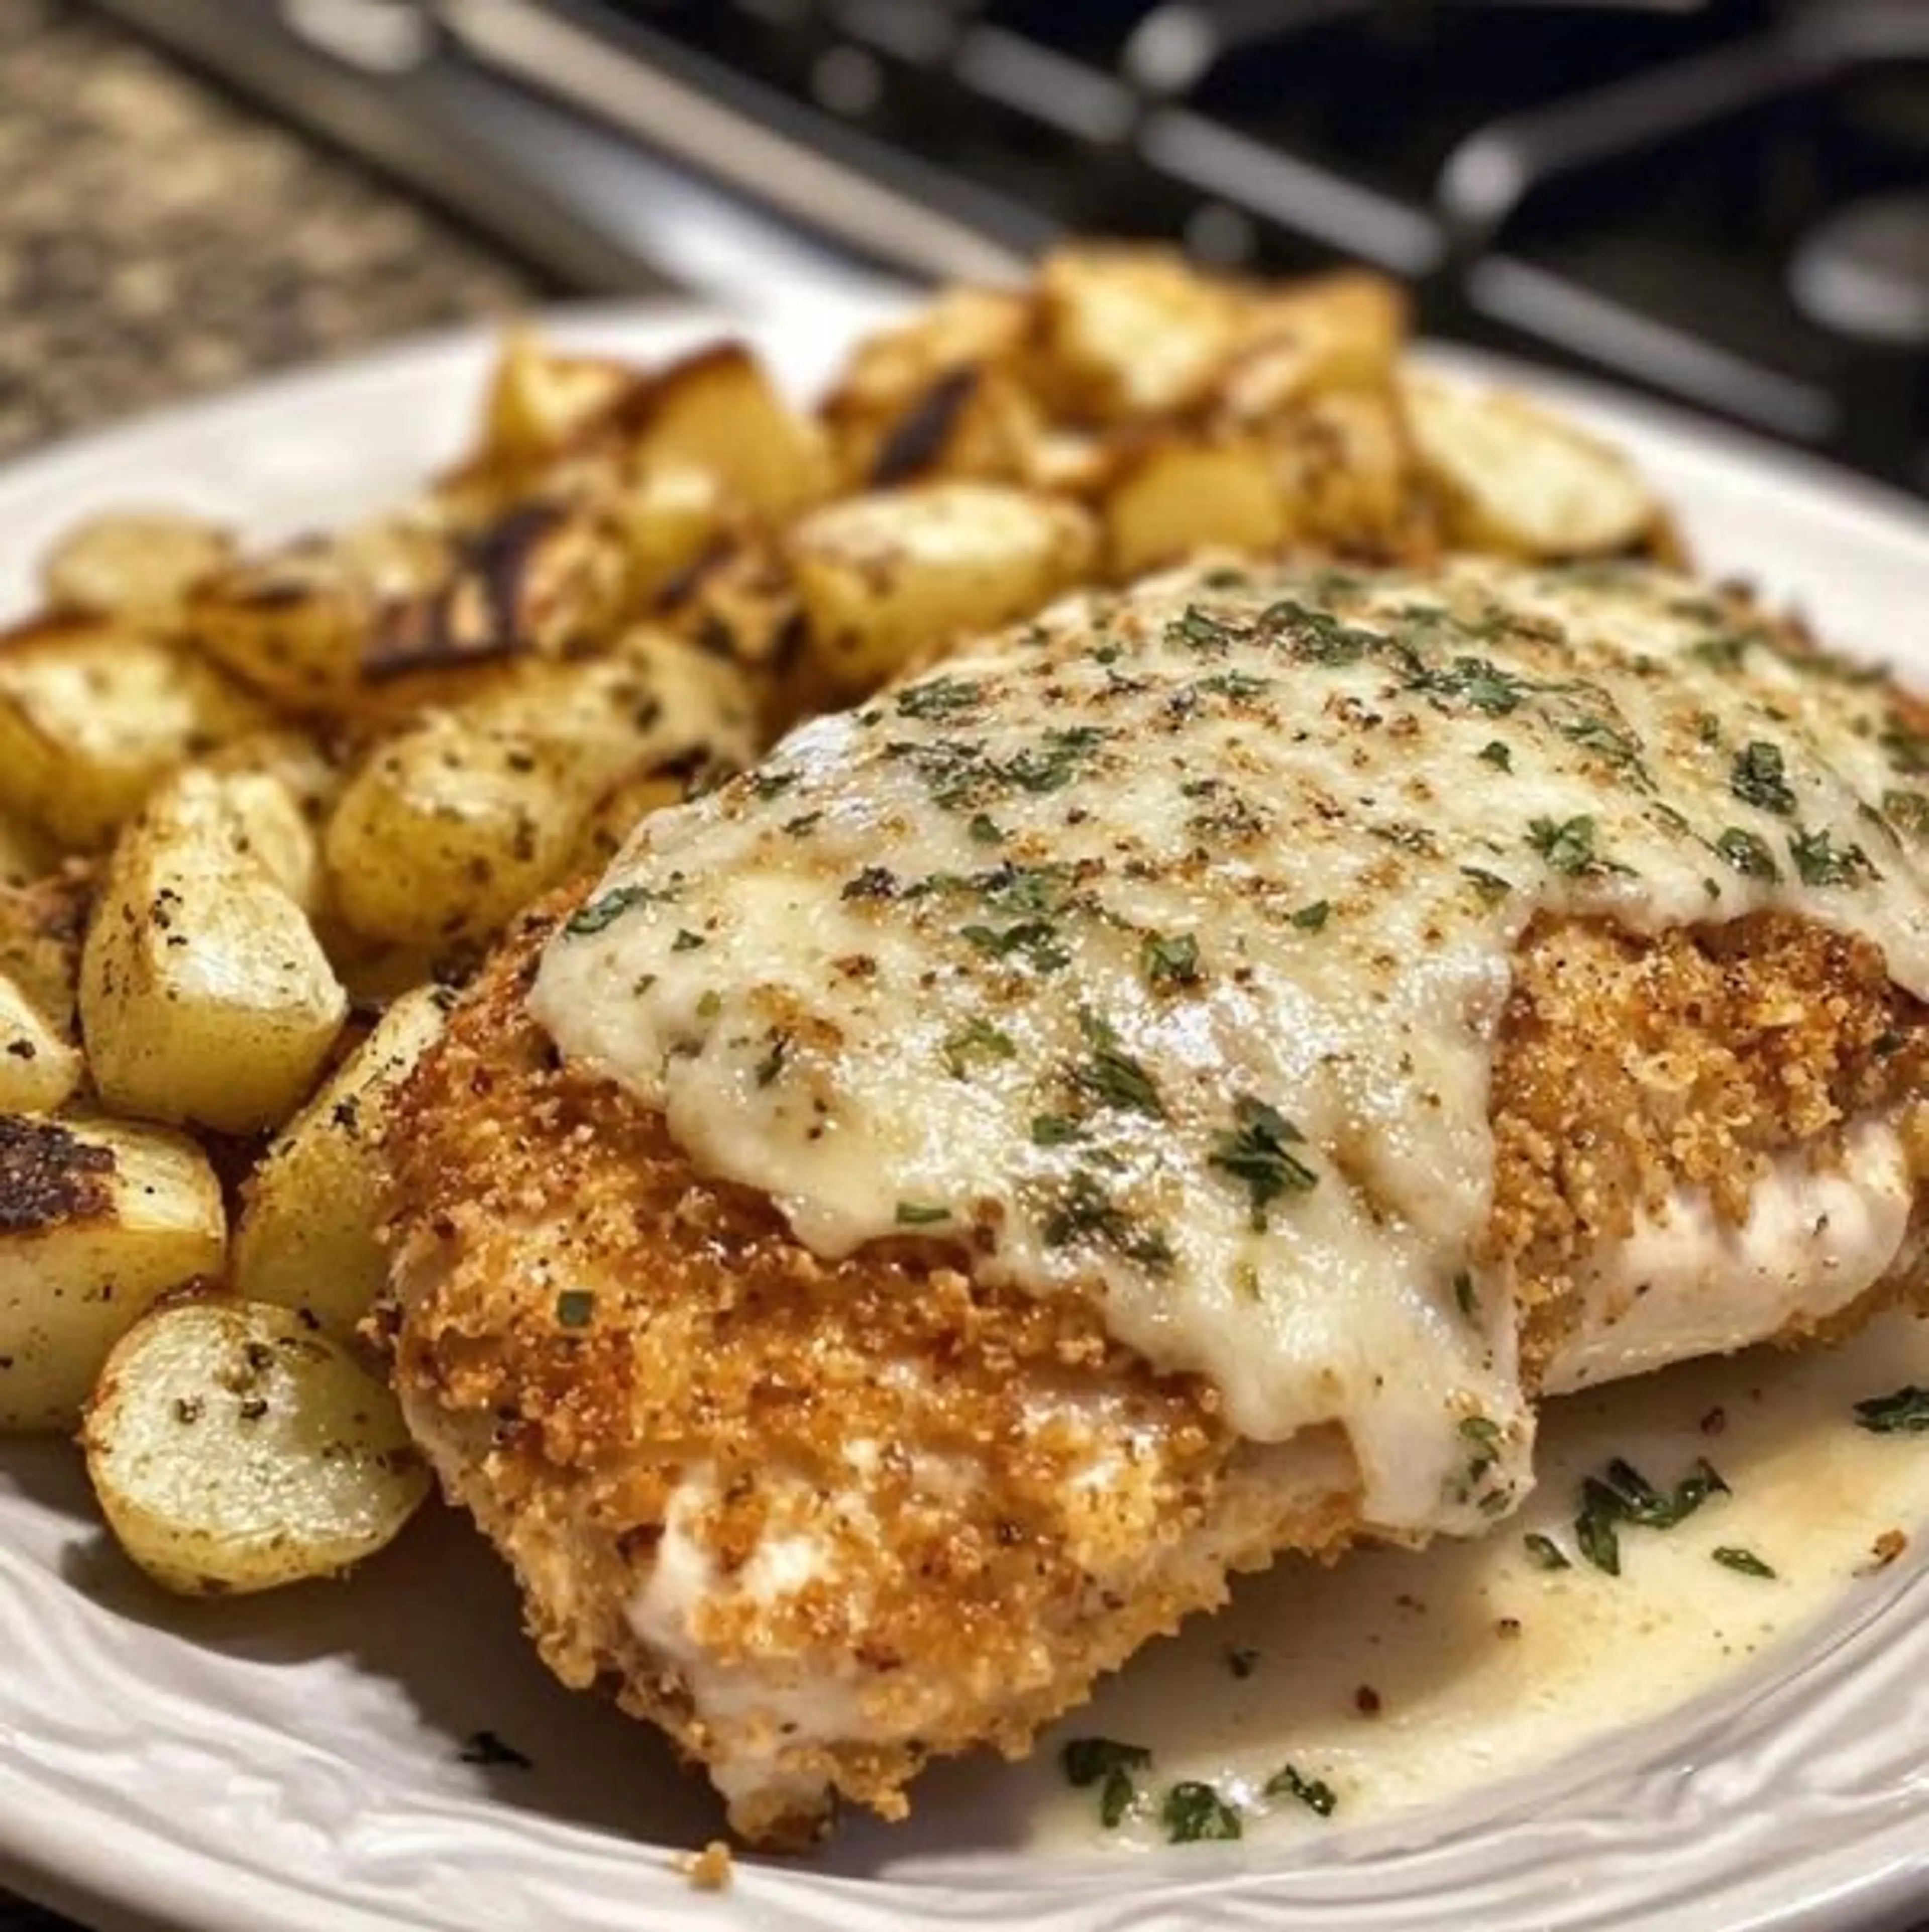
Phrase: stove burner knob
pixel 1864 272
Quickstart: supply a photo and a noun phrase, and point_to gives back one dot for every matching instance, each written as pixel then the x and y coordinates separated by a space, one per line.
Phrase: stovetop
pixel 1724 201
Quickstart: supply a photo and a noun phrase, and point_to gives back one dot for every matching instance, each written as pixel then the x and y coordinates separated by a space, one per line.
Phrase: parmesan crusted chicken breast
pixel 1176 1085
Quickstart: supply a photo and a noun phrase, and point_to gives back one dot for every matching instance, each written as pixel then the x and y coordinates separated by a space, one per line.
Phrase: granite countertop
pixel 158 240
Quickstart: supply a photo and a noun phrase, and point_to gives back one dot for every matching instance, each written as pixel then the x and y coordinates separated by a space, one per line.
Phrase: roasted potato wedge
pixel 205 995
pixel 42 927
pixel 1347 471
pixel 1125 333
pixel 306 1237
pixel 135 564
pixel 886 578
pixel 718 411
pixel 448 828
pixel 1179 493
pixel 97 1218
pixel 1338 331
pixel 40 1067
pixel 233 1449
pixel 1512 477
pixel 92 712
pixel 540 398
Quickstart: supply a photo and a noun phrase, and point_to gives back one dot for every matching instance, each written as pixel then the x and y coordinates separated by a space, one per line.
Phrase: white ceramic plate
pixel 294 1762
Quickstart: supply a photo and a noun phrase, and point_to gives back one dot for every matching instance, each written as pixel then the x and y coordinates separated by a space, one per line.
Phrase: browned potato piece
pixel 718 411
pixel 447 829
pixel 1515 478
pixel 136 564
pixel 231 1451
pixel 92 712
pixel 41 929
pixel 742 606
pixel 1128 332
pixel 205 995
pixel 40 1067
pixel 666 515
pixel 540 398
pixel 886 578
pixel 1180 493
pixel 102 1217
pixel 1347 472
pixel 1339 332
pixel 306 1235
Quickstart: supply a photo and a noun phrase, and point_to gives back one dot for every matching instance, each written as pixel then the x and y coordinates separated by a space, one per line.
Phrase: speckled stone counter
pixel 157 240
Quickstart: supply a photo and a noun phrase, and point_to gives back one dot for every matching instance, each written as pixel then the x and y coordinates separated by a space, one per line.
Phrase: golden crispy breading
pixel 616 1363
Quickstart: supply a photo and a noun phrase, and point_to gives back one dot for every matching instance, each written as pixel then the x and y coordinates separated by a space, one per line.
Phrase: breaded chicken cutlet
pixel 1174 1086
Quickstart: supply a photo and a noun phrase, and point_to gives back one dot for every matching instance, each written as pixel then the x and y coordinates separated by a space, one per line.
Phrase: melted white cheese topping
pixel 1155 952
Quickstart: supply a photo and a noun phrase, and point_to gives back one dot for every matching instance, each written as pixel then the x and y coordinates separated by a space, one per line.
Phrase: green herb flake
pixel 1312 918
pixel 1748 854
pixel 1173 961
pixel 1759 777
pixel 1819 861
pixel 687 941
pixel 977 1038
pixel 1111 1077
pixel 984 831
pixel 1085 1211
pixel 1256 1150
pixel 767 1069
pixel 910 1214
pixel 802 825
pixel 1054 1130
pixel 1036 940
pixel 604 912
pixel 1497 755
pixel 1464 1297
pixel 1194 1813
pixel 1905 1412
pixel 1490 886
pixel 1237 685
pixel 575 1308
pixel 1544 1552
pixel 1906 745
pixel 1566 845
pixel 772 784
pixel 1745 1561
pixel 709 1003
pixel 1315 1793
pixel 939 698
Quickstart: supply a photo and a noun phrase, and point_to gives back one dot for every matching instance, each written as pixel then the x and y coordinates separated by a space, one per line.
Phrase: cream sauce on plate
pixel 1401 1679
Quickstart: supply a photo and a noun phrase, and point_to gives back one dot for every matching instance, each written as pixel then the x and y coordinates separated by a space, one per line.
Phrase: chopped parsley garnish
pixel 1906 1412
pixel 1111 1077
pixel 1257 1150
pixel 772 784
pixel 1034 940
pixel 873 882
pixel 1086 1212
pixel 1109 1765
pixel 1490 886
pixel 910 1214
pixel 687 941
pixel 1201 630
pixel 1907 747
pixel 1745 1561
pixel 1622 1494
pixel 1314 637
pixel 939 698
pixel 1749 855
pixel 709 1003
pixel 1311 918
pixel 1463 1293
pixel 1821 862
pixel 1724 652
pixel 1054 1130
pixel 1193 1812
pixel 1759 778
pixel 598 913
pixel 1607 740
pixel 1568 846
pixel 1315 1793
pixel 1170 962
pixel 575 1307
pixel 1544 1552
pixel 1497 755
pixel 1234 684
pixel 1476 682
pixel 977 1038
pixel 802 825
pixel 984 831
